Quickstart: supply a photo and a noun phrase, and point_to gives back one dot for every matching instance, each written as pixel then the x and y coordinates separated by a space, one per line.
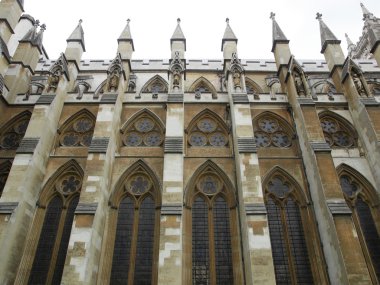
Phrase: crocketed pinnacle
pixel 229 35
pixel 38 40
pixel 349 42
pixel 31 34
pixel 327 37
pixel 126 36
pixel 277 34
pixel 77 35
pixel 366 13
pixel 178 34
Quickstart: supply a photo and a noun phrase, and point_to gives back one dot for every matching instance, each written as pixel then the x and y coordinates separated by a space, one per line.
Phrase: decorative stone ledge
pixel 320 146
pixel 255 209
pixel 86 208
pixel 247 145
pixel 173 145
pixel 28 145
pixel 338 207
pixel 305 101
pixel 8 207
pixel 175 98
pixel 99 145
pixel 369 101
pixel 240 98
pixel 171 209
pixel 108 99
pixel 45 99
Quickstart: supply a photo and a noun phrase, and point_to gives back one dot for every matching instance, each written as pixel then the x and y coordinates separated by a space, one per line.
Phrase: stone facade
pixel 181 171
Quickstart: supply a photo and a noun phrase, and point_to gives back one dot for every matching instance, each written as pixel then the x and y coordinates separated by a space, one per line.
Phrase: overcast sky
pixel 203 23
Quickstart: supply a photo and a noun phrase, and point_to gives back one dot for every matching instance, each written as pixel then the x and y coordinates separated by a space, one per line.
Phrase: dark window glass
pixel 46 242
pixel 145 240
pixel 200 237
pixel 370 233
pixel 298 244
pixel 64 241
pixel 222 245
pixel 279 252
pixel 121 253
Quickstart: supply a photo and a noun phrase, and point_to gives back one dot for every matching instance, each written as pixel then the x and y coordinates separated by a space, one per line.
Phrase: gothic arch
pixel 85 113
pixel 370 195
pixel 256 89
pixel 295 189
pixel 323 87
pixel 208 113
pixel 338 131
pixel 12 132
pixel 144 128
pixel 155 80
pixel 206 84
pixel 210 167
pixel 288 127
pixel 139 166
pixel 100 89
pixel 50 188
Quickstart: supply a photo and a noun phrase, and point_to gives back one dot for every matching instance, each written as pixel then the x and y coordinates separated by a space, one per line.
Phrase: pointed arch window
pixel 14 131
pixel 289 249
pixel 212 211
pixel 136 240
pixel 144 130
pixel 155 85
pixel 56 213
pixel 207 130
pixel 78 131
pixel 363 202
pixel 338 134
pixel 270 131
pixel 202 85
pixel 5 168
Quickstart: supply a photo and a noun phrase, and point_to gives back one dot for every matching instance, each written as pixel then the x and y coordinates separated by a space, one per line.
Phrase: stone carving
pixel 82 87
pixel 132 83
pixel 300 87
pixel 236 70
pixel 53 81
pixel 176 68
pixel 57 70
pixel 113 74
pixel 358 84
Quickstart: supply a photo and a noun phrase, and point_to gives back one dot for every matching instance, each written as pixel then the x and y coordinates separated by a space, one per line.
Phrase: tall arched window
pixel 212 212
pixel 289 248
pixel 137 201
pixel 78 130
pixel 363 201
pixel 13 131
pixel 50 233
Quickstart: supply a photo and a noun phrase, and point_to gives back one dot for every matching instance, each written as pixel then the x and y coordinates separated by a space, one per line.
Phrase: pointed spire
pixel 366 14
pixel 77 35
pixel 278 35
pixel 327 37
pixel 39 37
pixel 229 35
pixel 126 36
pixel 32 33
pixel 349 42
pixel 178 34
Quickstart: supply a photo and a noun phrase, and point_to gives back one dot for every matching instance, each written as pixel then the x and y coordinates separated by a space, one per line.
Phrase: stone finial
pixel 327 37
pixel 125 35
pixel 229 35
pixel 272 16
pixel 77 35
pixel 178 21
pixel 277 34
pixel 178 34
pixel 349 42
pixel 227 20
pixel 319 16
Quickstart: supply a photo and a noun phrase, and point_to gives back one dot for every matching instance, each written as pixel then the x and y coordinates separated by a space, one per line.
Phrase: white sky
pixel 203 23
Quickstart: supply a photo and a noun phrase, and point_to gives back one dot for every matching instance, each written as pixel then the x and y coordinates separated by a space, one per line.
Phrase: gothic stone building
pixel 183 171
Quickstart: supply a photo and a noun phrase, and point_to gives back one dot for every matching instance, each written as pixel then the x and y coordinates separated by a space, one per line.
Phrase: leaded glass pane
pixel 70 184
pixel 298 244
pixel 262 139
pixel 209 184
pixel 281 139
pixel 349 188
pixel 218 139
pixel 133 139
pixel 329 126
pixel 200 245
pixel 86 139
pixel 139 184
pixel 144 125
pixel 198 139
pixel 123 240
pixel 64 241
pixel 83 125
pixel 153 139
pixel 370 233
pixel 70 139
pixel 268 125
pixel 279 252
pixel 42 258
pixel 277 187
pixel 20 127
pixel 222 243
pixel 207 125
pixel 343 139
pixel 145 240
pixel 11 140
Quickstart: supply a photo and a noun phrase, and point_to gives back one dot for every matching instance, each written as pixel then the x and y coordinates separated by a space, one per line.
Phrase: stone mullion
pixel 170 241
pixel 321 174
pixel 84 251
pixel 256 248
pixel 26 177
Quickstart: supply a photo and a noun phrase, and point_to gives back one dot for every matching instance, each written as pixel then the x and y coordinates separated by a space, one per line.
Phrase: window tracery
pixel 155 85
pixel 5 168
pixel 211 204
pixel 207 131
pixel 336 133
pixel 365 212
pixel 143 131
pixel 12 134
pixel 137 211
pixel 269 131
pixel 78 132
pixel 289 248
pixel 202 85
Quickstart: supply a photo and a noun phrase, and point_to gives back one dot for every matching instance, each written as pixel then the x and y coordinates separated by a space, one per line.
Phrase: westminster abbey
pixel 186 171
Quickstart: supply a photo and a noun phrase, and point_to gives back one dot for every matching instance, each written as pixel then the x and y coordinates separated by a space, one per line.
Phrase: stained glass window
pixel 144 131
pixel 12 136
pixel 336 133
pixel 78 133
pixel 270 132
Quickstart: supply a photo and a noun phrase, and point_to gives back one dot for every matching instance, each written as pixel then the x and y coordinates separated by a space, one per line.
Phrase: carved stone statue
pixel 236 79
pixel 358 84
pixel 113 81
pixel 176 78
pixel 299 85
pixel 53 81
